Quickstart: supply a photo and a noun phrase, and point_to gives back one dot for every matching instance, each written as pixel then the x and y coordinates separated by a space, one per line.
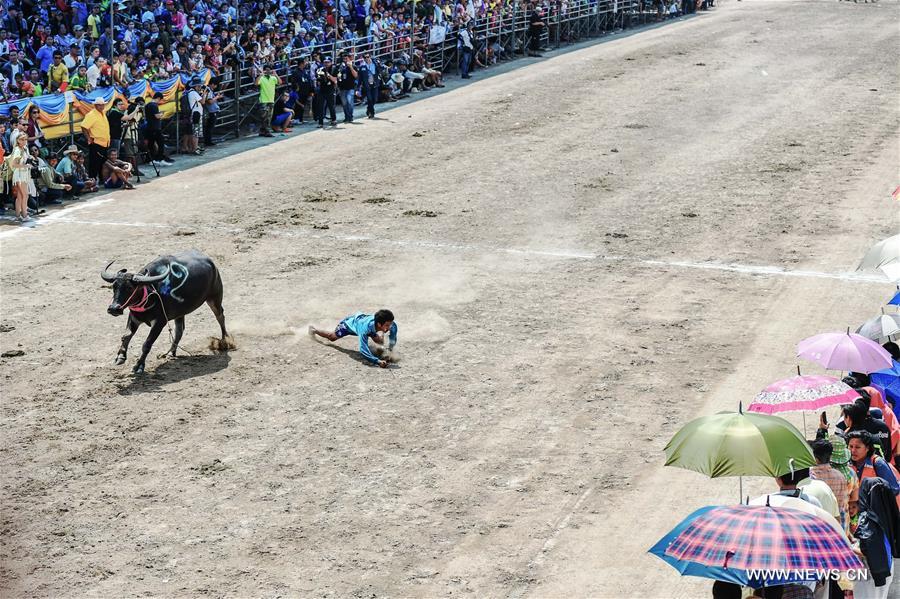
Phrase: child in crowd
pixel 364 326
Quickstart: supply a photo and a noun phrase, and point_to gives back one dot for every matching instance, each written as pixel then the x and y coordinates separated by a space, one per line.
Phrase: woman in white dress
pixel 23 185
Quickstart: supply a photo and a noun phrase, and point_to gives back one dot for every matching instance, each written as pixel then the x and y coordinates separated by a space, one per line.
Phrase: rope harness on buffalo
pixel 149 290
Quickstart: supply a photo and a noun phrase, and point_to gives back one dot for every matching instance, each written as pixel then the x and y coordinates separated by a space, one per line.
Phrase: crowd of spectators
pixel 380 46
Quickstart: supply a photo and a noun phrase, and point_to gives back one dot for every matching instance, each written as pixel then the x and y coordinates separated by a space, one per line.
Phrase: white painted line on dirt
pixel 550 543
pixel 56 216
pixel 746 269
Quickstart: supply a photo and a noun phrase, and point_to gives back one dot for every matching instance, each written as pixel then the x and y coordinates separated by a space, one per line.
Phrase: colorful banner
pixel 54 115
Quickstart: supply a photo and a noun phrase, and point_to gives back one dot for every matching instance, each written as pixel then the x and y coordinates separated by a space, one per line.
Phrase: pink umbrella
pixel 802 393
pixel 845 352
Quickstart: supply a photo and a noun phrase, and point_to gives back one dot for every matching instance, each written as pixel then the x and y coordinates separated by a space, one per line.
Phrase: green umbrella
pixel 739 444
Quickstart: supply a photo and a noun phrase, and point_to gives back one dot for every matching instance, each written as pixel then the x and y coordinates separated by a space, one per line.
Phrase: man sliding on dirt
pixel 365 326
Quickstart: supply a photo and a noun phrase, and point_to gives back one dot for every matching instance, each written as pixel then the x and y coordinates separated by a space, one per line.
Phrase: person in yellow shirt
pixel 93 22
pixel 95 127
pixel 58 73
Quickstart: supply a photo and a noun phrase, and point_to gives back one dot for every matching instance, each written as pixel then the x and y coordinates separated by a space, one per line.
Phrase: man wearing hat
pixel 66 169
pixel 95 127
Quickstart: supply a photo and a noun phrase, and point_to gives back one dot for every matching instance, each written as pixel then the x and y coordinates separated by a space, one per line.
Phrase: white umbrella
pixel 884 255
pixel 880 327
pixel 795 503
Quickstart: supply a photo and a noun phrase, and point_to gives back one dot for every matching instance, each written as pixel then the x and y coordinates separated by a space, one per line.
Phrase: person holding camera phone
pixel 267 83
pixel 212 111
pixel 23 185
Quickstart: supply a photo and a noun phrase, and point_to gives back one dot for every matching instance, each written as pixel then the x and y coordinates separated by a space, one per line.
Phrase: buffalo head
pixel 127 287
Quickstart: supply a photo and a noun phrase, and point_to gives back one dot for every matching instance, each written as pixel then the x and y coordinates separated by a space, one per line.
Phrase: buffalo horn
pixel 152 279
pixel 105 273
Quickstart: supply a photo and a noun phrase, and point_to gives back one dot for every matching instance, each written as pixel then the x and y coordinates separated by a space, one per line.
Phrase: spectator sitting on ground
pixel 66 169
pixel 49 185
pixel 282 116
pixel 116 173
pixel 81 175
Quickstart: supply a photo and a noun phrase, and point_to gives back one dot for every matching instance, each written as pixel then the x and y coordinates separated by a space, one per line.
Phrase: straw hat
pixel 99 102
pixel 73 149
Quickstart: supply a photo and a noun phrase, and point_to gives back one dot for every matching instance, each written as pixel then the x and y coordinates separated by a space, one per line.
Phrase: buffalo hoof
pixel 138 369
pixel 120 359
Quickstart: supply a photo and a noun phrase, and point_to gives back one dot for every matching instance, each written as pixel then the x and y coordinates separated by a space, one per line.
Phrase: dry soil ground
pixel 557 324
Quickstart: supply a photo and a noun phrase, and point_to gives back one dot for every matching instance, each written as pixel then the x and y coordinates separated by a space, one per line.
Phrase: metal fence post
pixel 237 100
pixel 177 122
pixel 71 124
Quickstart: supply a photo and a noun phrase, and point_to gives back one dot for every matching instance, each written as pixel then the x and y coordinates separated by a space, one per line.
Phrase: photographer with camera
pixel 347 77
pixel 119 122
pixel 130 136
pixel 192 116
pixel 326 75
pixel 156 144
pixel 212 111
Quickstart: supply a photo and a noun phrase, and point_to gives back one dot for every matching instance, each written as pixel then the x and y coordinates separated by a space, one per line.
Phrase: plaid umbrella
pixel 746 537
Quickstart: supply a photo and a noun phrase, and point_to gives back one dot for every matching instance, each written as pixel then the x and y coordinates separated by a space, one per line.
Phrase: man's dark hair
pixel 856 411
pixel 864 398
pixel 866 438
pixel 726 590
pixel 893 349
pixel 158 96
pixel 383 316
pixel 57 54
pixel 822 450
pixel 857 380
pixel 796 477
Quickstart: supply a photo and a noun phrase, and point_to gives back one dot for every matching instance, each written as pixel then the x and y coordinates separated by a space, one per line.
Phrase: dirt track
pixel 555 325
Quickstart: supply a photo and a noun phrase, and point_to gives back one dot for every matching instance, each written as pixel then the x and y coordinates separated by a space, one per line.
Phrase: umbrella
pixel 880 327
pixel 690 568
pixel 889 380
pixel 895 301
pixel 739 444
pixel 795 503
pixel 798 393
pixel 845 352
pixel 747 537
pixel 885 253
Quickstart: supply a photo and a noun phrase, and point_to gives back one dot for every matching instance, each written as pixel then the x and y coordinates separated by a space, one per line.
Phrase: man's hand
pixel 382 364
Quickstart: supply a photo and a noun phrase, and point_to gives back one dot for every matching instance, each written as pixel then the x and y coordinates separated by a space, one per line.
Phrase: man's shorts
pixel 280 120
pixel 110 184
pixel 342 330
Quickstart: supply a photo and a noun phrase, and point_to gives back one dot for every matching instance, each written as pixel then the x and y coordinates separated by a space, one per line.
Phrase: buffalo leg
pixel 155 330
pixel 132 326
pixel 179 331
pixel 215 304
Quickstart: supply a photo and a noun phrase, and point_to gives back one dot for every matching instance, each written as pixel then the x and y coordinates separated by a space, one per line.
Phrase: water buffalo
pixel 166 289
